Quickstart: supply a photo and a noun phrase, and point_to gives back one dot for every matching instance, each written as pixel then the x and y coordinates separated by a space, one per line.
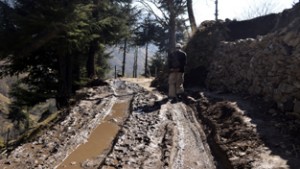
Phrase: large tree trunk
pixel 172 26
pixel 146 61
pixel 135 66
pixel 90 65
pixel 191 15
pixel 76 72
pixel 65 81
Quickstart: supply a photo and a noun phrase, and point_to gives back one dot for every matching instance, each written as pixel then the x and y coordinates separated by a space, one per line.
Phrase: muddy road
pixel 125 125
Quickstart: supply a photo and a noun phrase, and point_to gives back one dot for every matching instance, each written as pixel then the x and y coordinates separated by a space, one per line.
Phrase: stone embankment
pixel 266 65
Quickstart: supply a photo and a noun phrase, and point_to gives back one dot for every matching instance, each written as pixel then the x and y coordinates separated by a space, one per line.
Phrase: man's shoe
pixel 181 96
pixel 173 99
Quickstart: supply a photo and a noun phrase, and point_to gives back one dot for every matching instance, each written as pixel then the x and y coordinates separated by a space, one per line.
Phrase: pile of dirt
pixel 241 134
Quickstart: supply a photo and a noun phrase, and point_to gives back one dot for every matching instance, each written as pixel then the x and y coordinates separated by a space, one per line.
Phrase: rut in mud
pixel 126 126
pixel 159 134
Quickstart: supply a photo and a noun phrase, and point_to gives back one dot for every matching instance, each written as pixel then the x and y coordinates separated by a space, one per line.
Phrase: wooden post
pixel 124 57
pixel 135 66
pixel 216 14
pixel 146 73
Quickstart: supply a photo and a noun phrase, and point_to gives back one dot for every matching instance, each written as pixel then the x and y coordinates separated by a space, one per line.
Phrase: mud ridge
pixel 210 130
pixel 234 136
pixel 166 143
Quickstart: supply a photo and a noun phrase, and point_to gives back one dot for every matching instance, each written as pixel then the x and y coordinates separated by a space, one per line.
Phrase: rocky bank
pixel 258 57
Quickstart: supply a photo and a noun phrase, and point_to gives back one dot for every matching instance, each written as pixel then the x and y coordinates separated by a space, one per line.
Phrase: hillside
pixel 4 123
pixel 5 84
pixel 4 101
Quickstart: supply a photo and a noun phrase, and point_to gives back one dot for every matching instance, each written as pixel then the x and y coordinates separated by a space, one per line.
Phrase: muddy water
pixel 100 138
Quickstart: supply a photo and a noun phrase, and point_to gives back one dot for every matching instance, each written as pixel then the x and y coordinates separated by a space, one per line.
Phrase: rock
pixel 73 163
pixel 261 69
pixel 296 106
pixel 288 105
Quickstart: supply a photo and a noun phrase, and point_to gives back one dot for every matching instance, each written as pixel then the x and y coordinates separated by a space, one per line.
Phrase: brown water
pixel 100 139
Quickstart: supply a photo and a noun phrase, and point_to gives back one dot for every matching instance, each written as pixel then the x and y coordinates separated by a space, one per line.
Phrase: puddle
pixel 99 140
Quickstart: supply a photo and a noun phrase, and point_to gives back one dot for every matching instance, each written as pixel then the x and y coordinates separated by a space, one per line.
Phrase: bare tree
pixel 166 13
pixel 189 4
pixel 260 8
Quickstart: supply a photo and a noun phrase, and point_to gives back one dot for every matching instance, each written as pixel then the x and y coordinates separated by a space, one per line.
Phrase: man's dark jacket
pixel 177 60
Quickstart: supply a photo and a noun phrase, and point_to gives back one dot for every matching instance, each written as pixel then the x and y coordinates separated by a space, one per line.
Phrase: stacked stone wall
pixel 268 66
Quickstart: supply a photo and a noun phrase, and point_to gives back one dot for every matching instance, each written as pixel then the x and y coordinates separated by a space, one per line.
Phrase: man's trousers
pixel 175 83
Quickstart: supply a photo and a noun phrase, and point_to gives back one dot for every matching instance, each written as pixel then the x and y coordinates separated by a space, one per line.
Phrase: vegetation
pixel 56 47
pixel 164 25
pixel 170 20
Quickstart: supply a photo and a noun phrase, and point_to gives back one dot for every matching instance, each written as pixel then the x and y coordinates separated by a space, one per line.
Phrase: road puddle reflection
pixel 99 140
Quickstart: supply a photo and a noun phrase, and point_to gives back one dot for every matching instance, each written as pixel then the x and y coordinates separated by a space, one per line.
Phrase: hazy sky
pixel 236 9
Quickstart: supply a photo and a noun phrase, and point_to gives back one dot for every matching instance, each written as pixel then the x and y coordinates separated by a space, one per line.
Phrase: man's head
pixel 178 46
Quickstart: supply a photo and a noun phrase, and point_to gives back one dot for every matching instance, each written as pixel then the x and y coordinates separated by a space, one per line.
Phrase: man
pixel 176 62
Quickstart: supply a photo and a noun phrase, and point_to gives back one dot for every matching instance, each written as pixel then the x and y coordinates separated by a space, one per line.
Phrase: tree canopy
pixel 56 46
pixel 51 42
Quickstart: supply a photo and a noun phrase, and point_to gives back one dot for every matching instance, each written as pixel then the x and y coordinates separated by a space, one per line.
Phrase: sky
pixel 236 9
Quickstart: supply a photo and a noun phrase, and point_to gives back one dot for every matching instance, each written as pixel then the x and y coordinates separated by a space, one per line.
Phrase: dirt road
pixel 124 125
pixel 159 134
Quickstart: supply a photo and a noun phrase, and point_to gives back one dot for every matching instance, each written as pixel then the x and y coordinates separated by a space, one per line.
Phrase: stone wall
pixel 201 47
pixel 268 66
pixel 252 27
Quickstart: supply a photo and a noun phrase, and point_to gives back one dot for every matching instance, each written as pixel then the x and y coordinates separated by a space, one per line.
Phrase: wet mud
pixel 123 125
pixel 100 140
pixel 159 134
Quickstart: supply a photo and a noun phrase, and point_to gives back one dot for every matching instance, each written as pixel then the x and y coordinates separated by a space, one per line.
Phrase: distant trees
pixel 146 32
pixel 166 13
pixel 157 63
pixel 166 26
pixel 57 44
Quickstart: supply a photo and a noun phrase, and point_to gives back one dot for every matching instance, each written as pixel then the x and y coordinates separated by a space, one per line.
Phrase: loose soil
pixel 204 130
pixel 252 132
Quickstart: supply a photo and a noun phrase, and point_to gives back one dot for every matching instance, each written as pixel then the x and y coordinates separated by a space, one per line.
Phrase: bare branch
pixel 161 20
pixel 260 9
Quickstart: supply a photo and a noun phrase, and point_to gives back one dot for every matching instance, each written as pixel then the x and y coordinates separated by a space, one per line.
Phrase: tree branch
pixel 162 21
